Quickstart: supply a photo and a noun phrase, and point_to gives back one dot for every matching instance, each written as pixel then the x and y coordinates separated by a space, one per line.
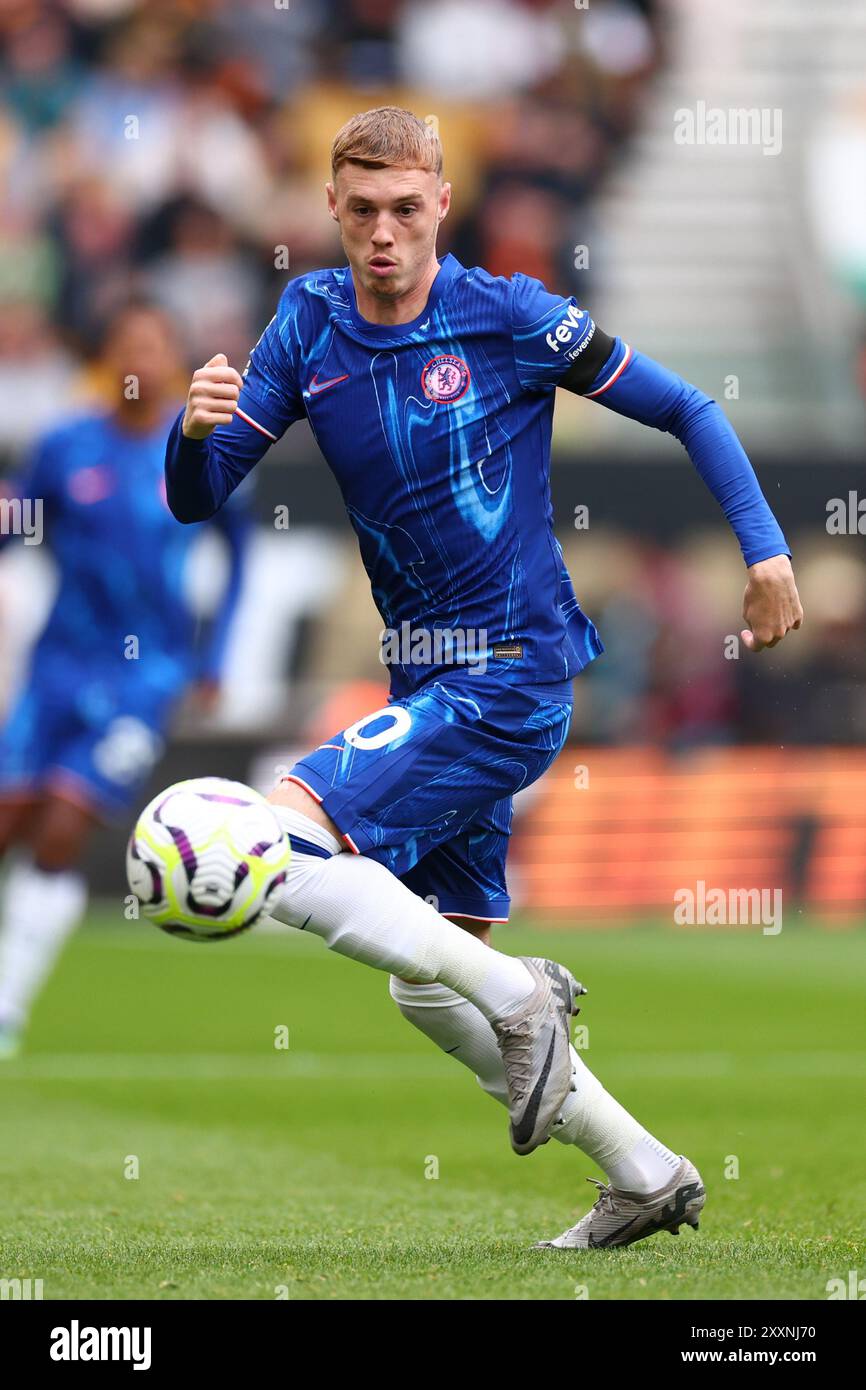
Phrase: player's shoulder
pixel 474 281
pixel 314 292
pixel 84 423
pixel 516 296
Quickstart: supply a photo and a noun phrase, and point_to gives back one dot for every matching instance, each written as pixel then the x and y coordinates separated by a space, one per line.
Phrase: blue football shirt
pixel 121 559
pixel 438 432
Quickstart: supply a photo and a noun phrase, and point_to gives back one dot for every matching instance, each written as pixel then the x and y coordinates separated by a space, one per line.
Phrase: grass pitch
pixel 307 1172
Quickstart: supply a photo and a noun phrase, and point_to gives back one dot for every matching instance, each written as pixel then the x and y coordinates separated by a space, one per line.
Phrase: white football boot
pixel 620 1218
pixel 535 1045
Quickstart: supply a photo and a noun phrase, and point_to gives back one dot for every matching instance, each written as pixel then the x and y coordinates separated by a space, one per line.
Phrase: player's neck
pixel 401 309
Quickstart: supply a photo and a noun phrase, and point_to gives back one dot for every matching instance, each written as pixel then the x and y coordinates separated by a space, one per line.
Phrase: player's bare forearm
pixel 771 604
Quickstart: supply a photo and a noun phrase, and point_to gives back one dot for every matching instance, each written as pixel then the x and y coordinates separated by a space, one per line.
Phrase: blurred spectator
pixel 93 231
pixel 41 77
pixel 37 375
pixel 124 125
pixel 29 266
pixel 479 49
pixel 208 282
pixel 370 42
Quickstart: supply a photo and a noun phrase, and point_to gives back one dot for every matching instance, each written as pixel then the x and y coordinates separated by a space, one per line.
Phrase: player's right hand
pixel 771 604
pixel 213 397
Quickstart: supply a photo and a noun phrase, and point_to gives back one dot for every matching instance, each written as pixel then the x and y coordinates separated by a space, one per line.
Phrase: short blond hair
pixel 387 137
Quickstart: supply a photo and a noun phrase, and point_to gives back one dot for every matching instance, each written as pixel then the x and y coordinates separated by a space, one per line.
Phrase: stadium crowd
pixel 179 148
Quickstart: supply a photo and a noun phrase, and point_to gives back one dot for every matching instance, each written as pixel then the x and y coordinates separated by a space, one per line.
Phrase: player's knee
pixel 307 891
pixel 59 834
pixel 293 796
pixel 481 930
pixel 15 819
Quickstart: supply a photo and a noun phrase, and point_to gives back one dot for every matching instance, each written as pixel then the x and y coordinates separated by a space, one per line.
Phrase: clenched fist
pixel 771 604
pixel 213 397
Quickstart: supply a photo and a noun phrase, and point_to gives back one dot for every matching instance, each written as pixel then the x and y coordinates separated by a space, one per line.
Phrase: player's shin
pixel 590 1118
pixel 38 910
pixel 362 911
pixel 455 1026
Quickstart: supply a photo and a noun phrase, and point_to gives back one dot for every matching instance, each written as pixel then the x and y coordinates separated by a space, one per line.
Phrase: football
pixel 207 858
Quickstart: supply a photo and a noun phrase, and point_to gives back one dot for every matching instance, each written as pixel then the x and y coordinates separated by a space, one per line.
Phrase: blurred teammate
pixel 430 390
pixel 115 654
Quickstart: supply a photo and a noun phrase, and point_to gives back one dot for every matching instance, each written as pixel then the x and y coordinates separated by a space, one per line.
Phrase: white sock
pixel 590 1118
pixel 38 910
pixel 361 910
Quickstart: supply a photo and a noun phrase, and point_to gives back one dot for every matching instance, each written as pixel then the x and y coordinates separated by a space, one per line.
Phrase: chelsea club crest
pixel 445 379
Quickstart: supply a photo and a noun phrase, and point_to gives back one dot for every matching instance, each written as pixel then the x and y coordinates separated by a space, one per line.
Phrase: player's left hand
pixel 771 604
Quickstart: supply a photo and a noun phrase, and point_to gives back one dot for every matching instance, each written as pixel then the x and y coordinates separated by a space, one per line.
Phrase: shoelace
pixel 516 1052
pixel 605 1202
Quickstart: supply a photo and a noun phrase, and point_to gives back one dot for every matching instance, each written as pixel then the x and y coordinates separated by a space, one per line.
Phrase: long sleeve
pixel 201 473
pixel 557 343
pixel 636 386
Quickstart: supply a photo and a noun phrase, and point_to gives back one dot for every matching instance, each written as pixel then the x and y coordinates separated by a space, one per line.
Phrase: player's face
pixel 142 345
pixel 388 222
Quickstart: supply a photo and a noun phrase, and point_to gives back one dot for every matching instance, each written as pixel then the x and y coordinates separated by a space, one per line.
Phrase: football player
pixel 430 387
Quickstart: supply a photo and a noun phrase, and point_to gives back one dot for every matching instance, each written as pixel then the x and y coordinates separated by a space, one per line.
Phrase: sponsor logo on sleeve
pixel 573 322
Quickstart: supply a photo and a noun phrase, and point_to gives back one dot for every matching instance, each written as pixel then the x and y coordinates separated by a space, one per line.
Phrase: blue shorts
pixel 87 737
pixel 424 785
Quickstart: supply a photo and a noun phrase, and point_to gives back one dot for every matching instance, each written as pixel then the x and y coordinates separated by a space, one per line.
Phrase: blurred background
pixel 742 268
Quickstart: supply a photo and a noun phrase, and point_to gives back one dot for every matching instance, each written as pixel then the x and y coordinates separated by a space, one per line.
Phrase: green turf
pixel 303 1170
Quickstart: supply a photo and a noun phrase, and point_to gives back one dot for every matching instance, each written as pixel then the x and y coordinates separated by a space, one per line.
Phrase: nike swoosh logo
pixel 316 386
pixel 607 1240
pixel 527 1121
pixel 674 1211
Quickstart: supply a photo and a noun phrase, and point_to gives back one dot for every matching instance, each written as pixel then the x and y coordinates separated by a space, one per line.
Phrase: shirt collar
pixel 449 266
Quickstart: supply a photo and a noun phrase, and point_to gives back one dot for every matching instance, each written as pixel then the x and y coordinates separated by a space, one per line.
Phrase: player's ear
pixel 444 201
pixel 332 201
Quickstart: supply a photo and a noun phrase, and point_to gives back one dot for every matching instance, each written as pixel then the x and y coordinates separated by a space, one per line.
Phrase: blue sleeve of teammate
pixel 235 525
pixel 201 473
pixel 642 389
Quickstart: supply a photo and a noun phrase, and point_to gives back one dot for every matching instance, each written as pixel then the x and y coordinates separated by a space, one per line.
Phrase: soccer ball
pixel 207 858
